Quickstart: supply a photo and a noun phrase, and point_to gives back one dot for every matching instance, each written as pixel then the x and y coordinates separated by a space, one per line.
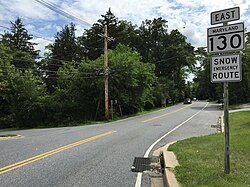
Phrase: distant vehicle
pixel 187 101
pixel 194 99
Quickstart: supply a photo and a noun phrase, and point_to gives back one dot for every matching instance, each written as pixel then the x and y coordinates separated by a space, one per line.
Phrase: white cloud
pixel 25 8
pixel 41 45
pixel 194 15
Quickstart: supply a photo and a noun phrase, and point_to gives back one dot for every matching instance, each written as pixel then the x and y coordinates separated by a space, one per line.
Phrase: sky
pixel 190 17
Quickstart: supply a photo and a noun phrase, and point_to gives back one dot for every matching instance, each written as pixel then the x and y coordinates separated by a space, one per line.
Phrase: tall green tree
pixel 170 53
pixel 63 50
pixel 119 31
pixel 5 63
pixel 239 91
pixel 80 90
pixel 19 41
pixel 130 80
pixel 203 86
pixel 152 33
pixel 20 94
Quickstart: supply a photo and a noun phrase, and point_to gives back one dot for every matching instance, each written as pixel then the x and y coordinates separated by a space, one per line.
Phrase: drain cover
pixel 141 164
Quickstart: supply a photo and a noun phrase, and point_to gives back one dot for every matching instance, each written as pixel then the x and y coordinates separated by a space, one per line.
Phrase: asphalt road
pixel 97 155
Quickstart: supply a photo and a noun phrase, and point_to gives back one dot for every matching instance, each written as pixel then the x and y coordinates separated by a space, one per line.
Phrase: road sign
pixel 225 38
pixel 226 15
pixel 226 68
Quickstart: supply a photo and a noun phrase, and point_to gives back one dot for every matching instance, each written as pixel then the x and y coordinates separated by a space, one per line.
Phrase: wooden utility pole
pixel 106 71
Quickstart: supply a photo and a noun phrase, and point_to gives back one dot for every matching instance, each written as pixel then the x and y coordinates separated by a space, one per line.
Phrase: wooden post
pixel 106 72
pixel 226 128
pixel 226 131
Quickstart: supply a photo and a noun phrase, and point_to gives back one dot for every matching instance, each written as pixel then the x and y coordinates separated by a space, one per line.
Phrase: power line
pixel 97 71
pixel 49 59
pixel 31 34
pixel 4 27
pixel 36 36
pixel 51 77
pixel 47 71
pixel 55 8
pixel 43 38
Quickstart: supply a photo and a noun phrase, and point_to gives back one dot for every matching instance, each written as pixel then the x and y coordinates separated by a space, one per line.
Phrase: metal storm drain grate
pixel 141 164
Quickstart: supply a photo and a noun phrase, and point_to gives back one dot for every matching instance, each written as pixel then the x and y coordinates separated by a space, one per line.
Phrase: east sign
pixel 226 15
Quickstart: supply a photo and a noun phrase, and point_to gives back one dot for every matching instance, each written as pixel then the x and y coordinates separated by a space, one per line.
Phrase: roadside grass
pixel 115 118
pixel 73 123
pixel 7 135
pixel 239 106
pixel 201 159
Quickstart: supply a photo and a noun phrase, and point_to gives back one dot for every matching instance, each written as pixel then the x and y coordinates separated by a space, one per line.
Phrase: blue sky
pixel 191 17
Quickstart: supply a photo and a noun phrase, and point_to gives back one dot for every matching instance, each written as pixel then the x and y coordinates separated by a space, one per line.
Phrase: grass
pixel 238 106
pixel 7 135
pixel 73 123
pixel 202 158
pixel 116 118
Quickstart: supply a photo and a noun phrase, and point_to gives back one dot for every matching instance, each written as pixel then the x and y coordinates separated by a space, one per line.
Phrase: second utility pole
pixel 106 72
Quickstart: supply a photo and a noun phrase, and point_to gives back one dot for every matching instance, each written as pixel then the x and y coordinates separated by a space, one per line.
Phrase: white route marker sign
pixel 226 38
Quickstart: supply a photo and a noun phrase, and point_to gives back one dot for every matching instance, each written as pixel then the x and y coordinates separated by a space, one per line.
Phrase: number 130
pixel 232 42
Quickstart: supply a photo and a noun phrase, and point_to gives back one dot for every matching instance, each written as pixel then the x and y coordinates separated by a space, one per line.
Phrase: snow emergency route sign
pixel 226 68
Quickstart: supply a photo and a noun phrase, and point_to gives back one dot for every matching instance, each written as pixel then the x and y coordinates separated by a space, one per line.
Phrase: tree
pixel 18 40
pixel 153 33
pixel 20 94
pixel 63 50
pixel 5 62
pixel 204 89
pixel 120 31
pixel 130 81
pixel 239 91
pixel 80 90
pixel 170 53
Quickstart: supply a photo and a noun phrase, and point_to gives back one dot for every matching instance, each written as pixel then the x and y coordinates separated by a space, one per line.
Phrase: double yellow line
pixel 49 153
pixel 147 120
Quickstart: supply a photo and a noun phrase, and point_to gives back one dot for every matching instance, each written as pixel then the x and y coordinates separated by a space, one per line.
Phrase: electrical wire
pixel 49 64
pixel 31 34
pixel 62 12
pixel 45 71
pixel 50 77
pixel 50 73
pixel 4 27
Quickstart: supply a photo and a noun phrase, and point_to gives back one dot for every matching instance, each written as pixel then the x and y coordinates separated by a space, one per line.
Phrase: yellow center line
pixel 49 153
pixel 151 119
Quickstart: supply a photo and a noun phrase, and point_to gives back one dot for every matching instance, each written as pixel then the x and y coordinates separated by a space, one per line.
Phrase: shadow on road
pixel 211 107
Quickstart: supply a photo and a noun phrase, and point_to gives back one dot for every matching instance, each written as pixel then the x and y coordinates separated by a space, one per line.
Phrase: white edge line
pixel 138 180
pixel 139 175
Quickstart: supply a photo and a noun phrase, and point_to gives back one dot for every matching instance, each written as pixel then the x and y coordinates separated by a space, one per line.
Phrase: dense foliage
pixel 147 66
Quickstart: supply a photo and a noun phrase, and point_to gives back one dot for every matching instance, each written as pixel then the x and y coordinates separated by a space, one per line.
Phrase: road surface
pixel 98 155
